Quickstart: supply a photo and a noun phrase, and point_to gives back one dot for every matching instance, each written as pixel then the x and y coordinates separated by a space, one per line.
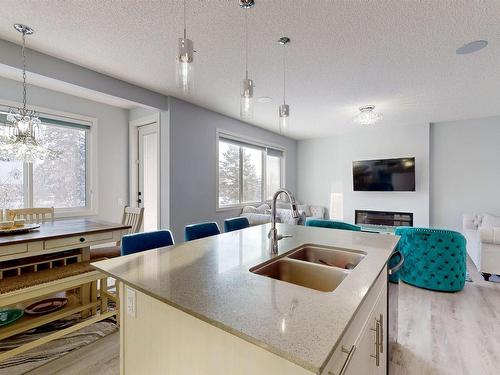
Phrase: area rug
pixel 36 357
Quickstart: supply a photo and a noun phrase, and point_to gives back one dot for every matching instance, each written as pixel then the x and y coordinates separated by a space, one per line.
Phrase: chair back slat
pixel 35 215
pixel 133 216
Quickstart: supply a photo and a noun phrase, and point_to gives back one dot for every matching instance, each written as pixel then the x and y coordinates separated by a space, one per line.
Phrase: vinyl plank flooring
pixel 439 334
pixel 449 333
pixel 101 357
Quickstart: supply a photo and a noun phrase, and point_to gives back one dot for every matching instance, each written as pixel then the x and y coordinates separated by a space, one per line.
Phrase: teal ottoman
pixel 435 259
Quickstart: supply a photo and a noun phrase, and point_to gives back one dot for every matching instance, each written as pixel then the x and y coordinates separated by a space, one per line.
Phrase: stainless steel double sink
pixel 312 266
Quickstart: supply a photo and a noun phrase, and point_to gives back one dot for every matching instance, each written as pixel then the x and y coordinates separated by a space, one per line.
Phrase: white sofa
pixel 482 232
pixel 262 214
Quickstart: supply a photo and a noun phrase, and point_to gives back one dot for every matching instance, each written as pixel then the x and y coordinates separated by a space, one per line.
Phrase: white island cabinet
pixel 201 307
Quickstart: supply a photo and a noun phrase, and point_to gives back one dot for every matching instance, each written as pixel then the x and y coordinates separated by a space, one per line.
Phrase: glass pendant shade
pixel 284 112
pixel 246 101
pixel 367 115
pixel 184 65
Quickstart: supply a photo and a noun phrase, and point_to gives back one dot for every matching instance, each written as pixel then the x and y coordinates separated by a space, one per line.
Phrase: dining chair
pixel 137 242
pixel 332 224
pixel 132 216
pixel 201 230
pixel 235 223
pixel 35 215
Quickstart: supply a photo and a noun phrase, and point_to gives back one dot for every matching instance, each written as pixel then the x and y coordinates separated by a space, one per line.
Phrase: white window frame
pixel 224 134
pixel 91 194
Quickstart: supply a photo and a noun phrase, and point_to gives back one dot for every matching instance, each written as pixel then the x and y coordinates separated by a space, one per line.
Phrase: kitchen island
pixel 196 308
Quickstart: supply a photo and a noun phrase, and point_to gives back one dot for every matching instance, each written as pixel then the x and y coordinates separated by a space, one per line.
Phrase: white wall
pixel 325 166
pixel 112 145
pixel 465 170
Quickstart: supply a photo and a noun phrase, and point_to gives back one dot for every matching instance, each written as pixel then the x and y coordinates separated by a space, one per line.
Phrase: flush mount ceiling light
pixel 247 4
pixel 472 47
pixel 284 109
pixel 367 115
pixel 20 140
pixel 184 61
pixel 247 85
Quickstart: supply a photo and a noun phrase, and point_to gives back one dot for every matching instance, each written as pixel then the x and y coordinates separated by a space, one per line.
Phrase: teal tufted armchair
pixel 434 258
pixel 332 224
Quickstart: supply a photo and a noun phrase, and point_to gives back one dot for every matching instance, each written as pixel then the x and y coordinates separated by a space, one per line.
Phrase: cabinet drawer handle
pixel 82 239
pixel 349 353
pixel 377 343
pixel 381 320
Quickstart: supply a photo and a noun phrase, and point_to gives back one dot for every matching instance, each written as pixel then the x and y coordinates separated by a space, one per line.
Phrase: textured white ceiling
pixel 398 55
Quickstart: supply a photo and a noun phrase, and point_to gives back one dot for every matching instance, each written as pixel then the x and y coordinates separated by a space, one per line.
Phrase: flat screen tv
pixel 384 175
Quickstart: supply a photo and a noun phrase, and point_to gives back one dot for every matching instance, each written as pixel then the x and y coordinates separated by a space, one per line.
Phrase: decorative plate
pixel 10 316
pixel 46 306
pixel 24 229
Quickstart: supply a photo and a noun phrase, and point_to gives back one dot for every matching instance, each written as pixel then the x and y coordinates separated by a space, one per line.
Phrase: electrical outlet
pixel 130 293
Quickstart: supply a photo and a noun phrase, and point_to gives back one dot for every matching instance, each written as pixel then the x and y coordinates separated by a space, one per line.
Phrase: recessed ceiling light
pixel 265 99
pixel 472 47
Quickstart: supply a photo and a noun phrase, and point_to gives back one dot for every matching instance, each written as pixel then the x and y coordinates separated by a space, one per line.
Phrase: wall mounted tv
pixel 384 175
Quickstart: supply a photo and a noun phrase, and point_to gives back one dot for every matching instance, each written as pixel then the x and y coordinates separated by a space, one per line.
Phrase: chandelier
pixel 23 125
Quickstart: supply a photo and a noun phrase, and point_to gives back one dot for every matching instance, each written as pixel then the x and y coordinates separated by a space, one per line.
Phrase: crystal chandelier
pixel 284 109
pixel 367 115
pixel 184 61
pixel 246 99
pixel 23 125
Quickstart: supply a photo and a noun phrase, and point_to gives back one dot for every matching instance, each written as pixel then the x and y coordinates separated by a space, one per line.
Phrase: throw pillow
pixel 249 210
pixel 490 221
pixel 304 208
pixel 263 208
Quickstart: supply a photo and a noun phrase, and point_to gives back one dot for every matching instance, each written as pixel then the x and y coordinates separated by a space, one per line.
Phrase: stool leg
pixel 85 298
pixel 103 295
pixel 118 297
pixel 93 296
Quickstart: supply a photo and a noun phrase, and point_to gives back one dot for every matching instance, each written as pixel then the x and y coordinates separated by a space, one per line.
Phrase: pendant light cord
pixel 24 71
pixel 246 44
pixel 284 75
pixel 184 19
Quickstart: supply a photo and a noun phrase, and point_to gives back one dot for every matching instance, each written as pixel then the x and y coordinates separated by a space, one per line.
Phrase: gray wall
pixel 465 170
pixel 325 166
pixel 64 71
pixel 112 139
pixel 193 163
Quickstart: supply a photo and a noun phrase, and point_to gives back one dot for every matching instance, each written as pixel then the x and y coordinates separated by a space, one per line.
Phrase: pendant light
pixel 246 98
pixel 184 61
pixel 22 143
pixel 284 109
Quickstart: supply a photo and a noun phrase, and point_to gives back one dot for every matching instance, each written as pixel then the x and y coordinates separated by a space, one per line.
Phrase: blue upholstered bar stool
pixel 332 224
pixel 137 242
pixel 201 230
pixel 235 223
pixel 434 258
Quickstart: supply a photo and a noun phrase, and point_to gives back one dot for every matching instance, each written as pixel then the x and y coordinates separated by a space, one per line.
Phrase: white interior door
pixel 148 192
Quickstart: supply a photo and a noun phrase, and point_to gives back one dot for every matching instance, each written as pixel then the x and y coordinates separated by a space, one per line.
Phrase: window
pixel 247 172
pixel 62 183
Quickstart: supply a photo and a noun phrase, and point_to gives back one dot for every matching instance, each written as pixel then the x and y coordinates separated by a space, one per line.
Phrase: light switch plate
pixel 130 300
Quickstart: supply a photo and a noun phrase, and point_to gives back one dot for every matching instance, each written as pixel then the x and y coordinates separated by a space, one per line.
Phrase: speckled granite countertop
pixel 210 279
